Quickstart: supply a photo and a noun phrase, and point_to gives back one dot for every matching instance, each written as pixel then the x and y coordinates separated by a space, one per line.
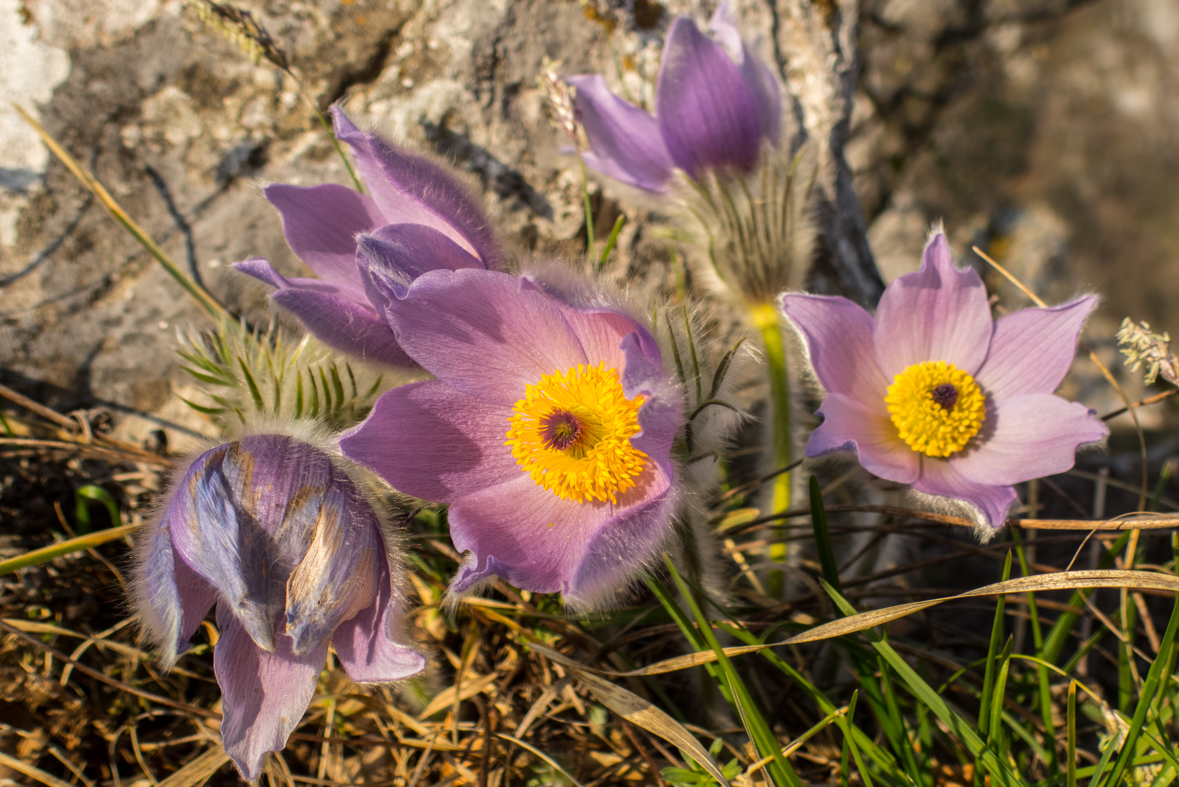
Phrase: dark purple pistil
pixel 560 429
pixel 946 395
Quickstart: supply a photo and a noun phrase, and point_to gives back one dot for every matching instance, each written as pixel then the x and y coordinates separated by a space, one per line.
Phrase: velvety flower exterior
pixel 933 393
pixel 715 101
pixel 270 530
pixel 414 213
pixel 548 432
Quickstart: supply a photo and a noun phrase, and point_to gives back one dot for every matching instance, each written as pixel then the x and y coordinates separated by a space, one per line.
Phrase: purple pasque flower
pixel 548 431
pixel 933 393
pixel 415 213
pixel 276 534
pixel 715 101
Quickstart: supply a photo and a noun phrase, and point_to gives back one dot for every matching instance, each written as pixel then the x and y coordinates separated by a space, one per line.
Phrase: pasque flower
pixel 275 533
pixel 933 393
pixel 715 101
pixel 415 217
pixel 548 431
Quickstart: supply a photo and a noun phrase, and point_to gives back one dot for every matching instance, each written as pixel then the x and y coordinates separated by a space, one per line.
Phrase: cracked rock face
pixel 1045 129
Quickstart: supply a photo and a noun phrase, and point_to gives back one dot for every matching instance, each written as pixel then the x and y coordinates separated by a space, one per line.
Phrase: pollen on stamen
pixel 936 407
pixel 571 433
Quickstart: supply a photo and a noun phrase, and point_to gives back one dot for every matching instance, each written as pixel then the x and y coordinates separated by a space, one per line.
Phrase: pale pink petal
pixel 1032 349
pixel 848 424
pixel 939 313
pixel 837 335
pixel 264 695
pixel 432 442
pixel 1031 436
pixel 537 541
pixel 366 644
pixel 482 334
pixel 940 477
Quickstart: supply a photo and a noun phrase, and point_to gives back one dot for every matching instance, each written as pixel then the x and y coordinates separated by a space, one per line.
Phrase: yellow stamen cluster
pixel 936 407
pixel 571 432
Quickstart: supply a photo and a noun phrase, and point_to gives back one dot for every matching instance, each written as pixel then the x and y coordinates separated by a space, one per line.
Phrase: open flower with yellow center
pixel 932 392
pixel 548 431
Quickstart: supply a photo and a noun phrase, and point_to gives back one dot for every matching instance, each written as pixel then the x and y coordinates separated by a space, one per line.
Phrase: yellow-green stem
pixel 765 317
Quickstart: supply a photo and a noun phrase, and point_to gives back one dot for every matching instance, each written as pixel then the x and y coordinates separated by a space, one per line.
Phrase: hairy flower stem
pixel 765 317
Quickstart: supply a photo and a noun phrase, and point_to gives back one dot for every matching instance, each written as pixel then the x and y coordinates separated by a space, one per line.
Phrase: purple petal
pixel 391 257
pixel 625 142
pixel 264 695
pixel 1031 436
pixel 939 313
pixel 170 597
pixel 481 334
pixel 1032 349
pixel 706 113
pixel 661 415
pixel 365 644
pixel 533 539
pixel 229 551
pixel 847 423
pixel 344 325
pixel 433 442
pixel 759 79
pixel 939 477
pixel 838 338
pixel 321 225
pixel 411 189
pixel 618 551
pixel 262 270
pixel 340 572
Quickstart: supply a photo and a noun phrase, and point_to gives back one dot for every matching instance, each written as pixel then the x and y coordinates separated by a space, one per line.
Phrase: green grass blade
pixel 1147 697
pixel 779 769
pixel 998 693
pixel 610 241
pixel 925 693
pixel 82 498
pixel 984 711
pixel 823 536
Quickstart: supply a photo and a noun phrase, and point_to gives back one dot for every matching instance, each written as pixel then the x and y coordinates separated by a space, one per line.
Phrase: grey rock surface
pixel 1043 131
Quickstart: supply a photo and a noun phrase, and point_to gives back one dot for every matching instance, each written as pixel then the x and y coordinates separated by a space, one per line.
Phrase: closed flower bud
pixel 279 536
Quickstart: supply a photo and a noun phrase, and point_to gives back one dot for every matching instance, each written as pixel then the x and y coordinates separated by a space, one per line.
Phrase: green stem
pixel 323 121
pixel 589 210
pixel 765 317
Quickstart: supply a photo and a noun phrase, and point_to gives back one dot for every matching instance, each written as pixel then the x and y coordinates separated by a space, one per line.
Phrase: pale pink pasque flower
pixel 275 533
pixel 548 431
pixel 415 217
pixel 933 393
pixel 715 101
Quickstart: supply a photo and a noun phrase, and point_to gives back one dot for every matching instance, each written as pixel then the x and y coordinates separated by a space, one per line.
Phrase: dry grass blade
pixel 1064 580
pixel 33 773
pixel 199 770
pixel 639 712
pixel 551 762
pixel 457 693
pixel 67 547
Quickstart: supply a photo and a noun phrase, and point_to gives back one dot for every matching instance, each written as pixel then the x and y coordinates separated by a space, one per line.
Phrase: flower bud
pixel 279 536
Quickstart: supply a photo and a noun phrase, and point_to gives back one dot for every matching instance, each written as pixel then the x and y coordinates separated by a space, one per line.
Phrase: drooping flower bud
pixel 276 533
